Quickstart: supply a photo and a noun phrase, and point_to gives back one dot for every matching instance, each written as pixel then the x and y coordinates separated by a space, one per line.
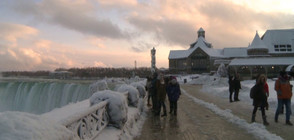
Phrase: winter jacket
pixel 160 90
pixel 237 84
pixel 257 93
pixel 153 90
pixel 283 88
pixel 173 91
pixel 231 84
pixel 266 89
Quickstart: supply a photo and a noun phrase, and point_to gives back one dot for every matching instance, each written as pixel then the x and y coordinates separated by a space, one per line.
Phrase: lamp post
pixel 153 60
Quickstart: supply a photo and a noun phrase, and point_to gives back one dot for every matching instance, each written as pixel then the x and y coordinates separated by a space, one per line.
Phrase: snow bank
pixel 133 96
pixel 203 79
pixel 134 125
pixel 98 86
pixel 116 108
pixel 140 88
pixel 131 129
pixel 25 126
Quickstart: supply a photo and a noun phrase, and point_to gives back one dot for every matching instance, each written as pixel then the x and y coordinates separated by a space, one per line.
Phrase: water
pixel 40 96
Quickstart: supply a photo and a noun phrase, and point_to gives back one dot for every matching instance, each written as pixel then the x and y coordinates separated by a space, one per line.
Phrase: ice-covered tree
pixel 222 70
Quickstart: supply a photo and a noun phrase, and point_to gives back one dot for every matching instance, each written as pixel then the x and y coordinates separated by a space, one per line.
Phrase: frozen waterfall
pixel 40 96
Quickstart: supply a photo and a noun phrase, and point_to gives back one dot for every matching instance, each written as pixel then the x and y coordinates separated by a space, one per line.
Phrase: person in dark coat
pixel 148 87
pixel 257 93
pixel 231 87
pixel 237 86
pixel 153 93
pixel 161 95
pixel 173 93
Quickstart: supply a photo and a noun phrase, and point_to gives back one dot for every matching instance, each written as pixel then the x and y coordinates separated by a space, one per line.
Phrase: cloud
pixel 43 44
pixel 98 42
pixel 118 3
pixel 73 15
pixel 11 32
pixel 100 64
pixel 171 31
pixel 227 24
pixel 20 49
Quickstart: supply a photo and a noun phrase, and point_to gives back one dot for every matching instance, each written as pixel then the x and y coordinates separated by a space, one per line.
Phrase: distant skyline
pixel 50 34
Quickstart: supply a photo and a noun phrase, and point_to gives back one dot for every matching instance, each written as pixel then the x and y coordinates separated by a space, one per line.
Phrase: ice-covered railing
pixel 85 121
pixel 87 124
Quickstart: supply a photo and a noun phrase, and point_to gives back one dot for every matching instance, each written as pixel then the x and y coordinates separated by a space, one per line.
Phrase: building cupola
pixel 201 33
pixel 257 47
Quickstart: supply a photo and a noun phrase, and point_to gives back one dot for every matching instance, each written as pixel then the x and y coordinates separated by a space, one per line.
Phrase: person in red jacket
pixel 284 93
pixel 265 87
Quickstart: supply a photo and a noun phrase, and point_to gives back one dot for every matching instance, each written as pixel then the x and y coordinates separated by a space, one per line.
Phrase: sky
pixel 50 34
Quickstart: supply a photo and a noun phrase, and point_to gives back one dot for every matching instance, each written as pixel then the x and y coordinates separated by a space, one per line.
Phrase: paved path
pixel 244 109
pixel 192 122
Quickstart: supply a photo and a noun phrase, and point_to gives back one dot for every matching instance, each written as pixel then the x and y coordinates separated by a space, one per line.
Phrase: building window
pixel 283 48
pixel 289 49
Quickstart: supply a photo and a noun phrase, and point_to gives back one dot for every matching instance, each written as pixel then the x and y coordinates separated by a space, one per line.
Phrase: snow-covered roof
pixel 289 67
pixel 200 43
pixel 257 43
pixel 235 52
pixel 278 37
pixel 177 54
pixel 267 41
pixel 263 61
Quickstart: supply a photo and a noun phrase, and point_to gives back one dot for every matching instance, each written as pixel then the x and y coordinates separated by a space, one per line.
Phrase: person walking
pixel 153 93
pixel 173 93
pixel 257 93
pixel 284 94
pixel 161 94
pixel 231 87
pixel 237 86
pixel 148 87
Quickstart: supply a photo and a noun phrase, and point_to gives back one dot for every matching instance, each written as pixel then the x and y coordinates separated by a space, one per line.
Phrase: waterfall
pixel 40 96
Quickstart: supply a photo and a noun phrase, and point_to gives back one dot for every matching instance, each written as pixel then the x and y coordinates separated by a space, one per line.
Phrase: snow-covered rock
pixel 116 108
pixel 25 126
pixel 133 96
pixel 98 86
pixel 140 88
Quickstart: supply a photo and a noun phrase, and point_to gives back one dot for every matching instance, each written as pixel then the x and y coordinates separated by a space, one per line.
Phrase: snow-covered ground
pixel 220 87
pixel 18 125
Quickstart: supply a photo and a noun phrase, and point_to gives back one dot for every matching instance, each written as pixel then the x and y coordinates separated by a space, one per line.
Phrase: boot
pixel 276 120
pixel 253 118
pixel 264 120
pixel 164 114
pixel 171 110
pixel 289 123
pixel 175 112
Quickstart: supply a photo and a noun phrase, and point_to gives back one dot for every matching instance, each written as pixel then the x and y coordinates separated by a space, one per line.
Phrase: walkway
pixel 192 122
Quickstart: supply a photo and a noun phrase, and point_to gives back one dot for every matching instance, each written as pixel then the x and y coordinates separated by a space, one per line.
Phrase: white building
pixel 268 54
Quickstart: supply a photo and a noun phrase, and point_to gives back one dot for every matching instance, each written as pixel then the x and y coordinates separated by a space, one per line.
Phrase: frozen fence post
pixel 87 124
